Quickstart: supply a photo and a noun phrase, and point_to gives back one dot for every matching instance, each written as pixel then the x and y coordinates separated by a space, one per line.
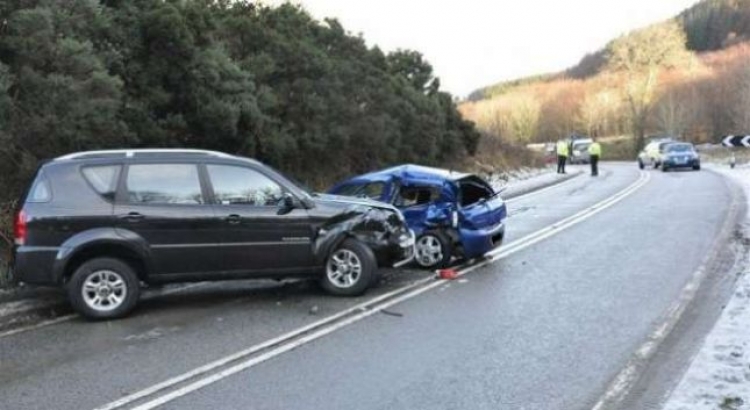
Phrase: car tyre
pixel 664 168
pixel 104 288
pixel 433 250
pixel 641 165
pixel 350 269
pixel 696 168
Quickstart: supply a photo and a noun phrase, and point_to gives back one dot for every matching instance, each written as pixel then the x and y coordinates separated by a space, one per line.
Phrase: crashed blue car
pixel 454 215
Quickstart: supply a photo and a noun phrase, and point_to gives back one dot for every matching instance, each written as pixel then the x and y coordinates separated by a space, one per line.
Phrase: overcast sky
pixel 473 43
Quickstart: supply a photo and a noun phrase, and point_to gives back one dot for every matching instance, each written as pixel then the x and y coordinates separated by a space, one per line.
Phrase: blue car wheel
pixel 433 250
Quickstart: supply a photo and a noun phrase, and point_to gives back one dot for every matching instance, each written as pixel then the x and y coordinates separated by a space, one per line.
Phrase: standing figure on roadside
pixel 562 155
pixel 595 152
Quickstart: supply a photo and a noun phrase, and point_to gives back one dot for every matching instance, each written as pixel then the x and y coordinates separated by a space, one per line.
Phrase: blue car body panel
pixel 480 226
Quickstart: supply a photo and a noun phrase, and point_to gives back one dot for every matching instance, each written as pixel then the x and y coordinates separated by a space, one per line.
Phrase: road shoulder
pixel 719 374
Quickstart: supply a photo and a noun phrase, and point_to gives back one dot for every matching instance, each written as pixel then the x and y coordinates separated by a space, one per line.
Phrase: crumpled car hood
pixel 349 201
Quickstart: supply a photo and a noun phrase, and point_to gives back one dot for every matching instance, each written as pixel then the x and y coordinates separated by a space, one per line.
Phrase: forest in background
pixel 266 82
pixel 687 77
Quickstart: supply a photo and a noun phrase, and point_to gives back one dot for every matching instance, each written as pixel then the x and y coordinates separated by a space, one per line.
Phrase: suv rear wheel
pixel 104 288
pixel 349 270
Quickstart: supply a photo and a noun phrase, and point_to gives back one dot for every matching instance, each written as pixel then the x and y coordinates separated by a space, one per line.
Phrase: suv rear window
pixel 164 184
pixel 103 178
pixel 40 191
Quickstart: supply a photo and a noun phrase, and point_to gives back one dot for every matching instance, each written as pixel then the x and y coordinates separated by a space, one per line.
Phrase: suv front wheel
pixel 104 288
pixel 349 269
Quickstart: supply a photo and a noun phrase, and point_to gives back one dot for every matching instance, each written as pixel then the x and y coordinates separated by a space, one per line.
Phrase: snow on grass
pixel 719 377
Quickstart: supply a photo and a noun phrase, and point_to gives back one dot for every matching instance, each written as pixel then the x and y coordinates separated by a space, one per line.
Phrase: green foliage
pixel 267 82
pixel 715 24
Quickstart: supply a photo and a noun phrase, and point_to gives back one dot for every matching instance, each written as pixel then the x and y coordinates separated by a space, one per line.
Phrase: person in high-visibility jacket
pixel 595 152
pixel 562 155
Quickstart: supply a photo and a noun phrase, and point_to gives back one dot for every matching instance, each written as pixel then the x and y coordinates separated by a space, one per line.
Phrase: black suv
pixel 101 222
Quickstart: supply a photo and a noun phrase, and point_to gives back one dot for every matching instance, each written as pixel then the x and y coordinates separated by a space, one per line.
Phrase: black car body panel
pixel 199 237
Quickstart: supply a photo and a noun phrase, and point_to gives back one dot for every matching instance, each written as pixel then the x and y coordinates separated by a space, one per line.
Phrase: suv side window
pixel 235 185
pixel 163 184
pixel 103 178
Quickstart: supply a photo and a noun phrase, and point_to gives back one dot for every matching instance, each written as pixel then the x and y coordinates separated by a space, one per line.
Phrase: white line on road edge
pixel 621 385
pixel 38 325
pixel 67 318
pixel 302 336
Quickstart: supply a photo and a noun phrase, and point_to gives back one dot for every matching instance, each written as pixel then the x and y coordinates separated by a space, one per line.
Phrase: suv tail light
pixel 19 228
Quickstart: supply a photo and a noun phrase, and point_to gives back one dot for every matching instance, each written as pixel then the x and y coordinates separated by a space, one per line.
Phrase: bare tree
pixel 641 56
pixel 741 106
pixel 523 118
pixel 675 112
pixel 598 112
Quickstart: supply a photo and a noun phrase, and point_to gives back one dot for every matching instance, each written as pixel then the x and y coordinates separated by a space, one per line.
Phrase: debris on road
pixel 447 274
pixel 389 313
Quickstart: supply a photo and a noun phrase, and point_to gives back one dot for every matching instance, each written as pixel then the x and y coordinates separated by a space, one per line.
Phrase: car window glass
pixel 102 178
pixel 374 190
pixel 40 191
pixel 244 186
pixel 164 184
pixel 349 190
pixel 414 196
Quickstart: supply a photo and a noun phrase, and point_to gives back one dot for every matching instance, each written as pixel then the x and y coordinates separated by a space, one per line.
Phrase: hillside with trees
pixel 266 82
pixel 685 77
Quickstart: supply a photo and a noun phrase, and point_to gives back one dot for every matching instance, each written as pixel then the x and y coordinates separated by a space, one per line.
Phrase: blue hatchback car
pixel 453 214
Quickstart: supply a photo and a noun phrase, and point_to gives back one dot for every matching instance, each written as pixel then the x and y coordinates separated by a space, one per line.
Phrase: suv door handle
pixel 233 219
pixel 132 216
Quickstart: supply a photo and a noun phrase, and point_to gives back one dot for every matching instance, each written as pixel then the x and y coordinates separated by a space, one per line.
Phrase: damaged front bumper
pixel 406 245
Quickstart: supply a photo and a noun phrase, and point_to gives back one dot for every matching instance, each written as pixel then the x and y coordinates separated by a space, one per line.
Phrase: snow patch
pixel 719 376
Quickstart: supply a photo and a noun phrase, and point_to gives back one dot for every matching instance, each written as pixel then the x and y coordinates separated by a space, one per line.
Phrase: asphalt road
pixel 547 327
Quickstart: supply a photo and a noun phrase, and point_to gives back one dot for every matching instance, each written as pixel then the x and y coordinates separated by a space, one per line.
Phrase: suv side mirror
pixel 287 203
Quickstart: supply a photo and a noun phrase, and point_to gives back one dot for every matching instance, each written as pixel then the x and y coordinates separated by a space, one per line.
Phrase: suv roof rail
pixel 130 153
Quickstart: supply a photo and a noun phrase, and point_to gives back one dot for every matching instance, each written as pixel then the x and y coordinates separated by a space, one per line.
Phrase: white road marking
pixel 70 317
pixel 44 323
pixel 314 331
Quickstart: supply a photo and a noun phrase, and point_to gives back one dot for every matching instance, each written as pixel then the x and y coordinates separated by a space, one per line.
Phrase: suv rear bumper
pixel 35 265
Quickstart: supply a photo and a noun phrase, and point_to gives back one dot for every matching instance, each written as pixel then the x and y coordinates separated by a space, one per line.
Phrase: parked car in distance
pixel 579 153
pixel 101 222
pixel 680 155
pixel 651 153
pixel 452 214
